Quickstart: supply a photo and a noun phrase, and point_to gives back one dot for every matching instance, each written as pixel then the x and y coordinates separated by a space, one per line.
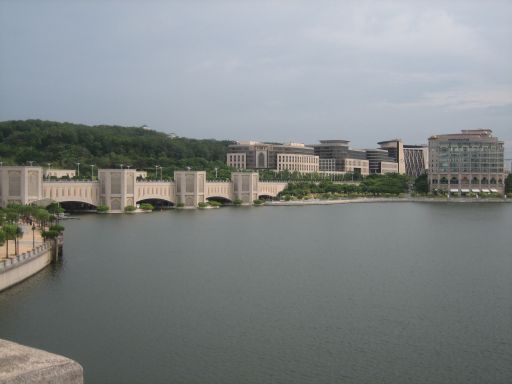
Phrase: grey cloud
pixel 362 71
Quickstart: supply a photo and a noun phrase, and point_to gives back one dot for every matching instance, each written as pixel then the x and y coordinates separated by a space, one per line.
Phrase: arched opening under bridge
pixel 77 206
pixel 220 199
pixel 157 203
pixel 265 197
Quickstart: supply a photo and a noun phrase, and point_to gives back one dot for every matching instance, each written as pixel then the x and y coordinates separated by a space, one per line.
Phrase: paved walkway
pixel 25 243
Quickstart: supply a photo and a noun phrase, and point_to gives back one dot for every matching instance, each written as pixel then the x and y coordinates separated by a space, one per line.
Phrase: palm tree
pixel 10 231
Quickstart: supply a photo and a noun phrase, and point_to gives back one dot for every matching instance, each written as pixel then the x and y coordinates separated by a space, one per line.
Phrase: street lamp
pixel 49 169
pixel 92 172
pixel 30 162
pixel 78 172
pixel 161 173
pixel 121 165
pixel 33 236
pixel 156 172
pixel 216 169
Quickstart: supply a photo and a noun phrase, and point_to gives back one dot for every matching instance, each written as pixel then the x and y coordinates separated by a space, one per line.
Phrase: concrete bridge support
pixel 245 186
pixel 190 187
pixel 117 188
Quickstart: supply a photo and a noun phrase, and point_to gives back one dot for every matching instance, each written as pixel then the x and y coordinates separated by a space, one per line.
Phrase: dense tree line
pixel 65 144
pixel 373 185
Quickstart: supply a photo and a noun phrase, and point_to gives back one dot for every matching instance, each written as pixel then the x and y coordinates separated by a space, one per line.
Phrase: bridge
pixel 119 188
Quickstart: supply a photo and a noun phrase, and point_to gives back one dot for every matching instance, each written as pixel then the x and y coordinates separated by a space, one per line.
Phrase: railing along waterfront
pixel 13 262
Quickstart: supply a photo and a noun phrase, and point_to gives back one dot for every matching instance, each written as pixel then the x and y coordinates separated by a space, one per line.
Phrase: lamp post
pixel 92 172
pixel 121 165
pixel 216 169
pixel 156 172
pixel 78 170
pixel 49 169
pixel 161 173
pixel 33 236
pixel 30 162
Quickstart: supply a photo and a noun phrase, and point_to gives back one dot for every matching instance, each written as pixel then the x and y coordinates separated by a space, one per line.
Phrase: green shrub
pixel 237 202
pixel 102 208
pixel 215 203
pixel 202 205
pixel 147 207
pixel 130 208
pixel 258 202
pixel 180 205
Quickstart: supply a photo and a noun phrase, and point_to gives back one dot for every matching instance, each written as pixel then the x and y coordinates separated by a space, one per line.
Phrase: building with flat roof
pixel 293 157
pixel 395 149
pixel 381 162
pixel 470 161
pixel 337 156
pixel 59 173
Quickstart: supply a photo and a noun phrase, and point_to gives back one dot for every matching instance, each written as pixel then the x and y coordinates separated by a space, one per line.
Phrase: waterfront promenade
pixel 25 243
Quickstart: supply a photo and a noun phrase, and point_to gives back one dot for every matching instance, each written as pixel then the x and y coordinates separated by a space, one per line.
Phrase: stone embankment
pixel 386 200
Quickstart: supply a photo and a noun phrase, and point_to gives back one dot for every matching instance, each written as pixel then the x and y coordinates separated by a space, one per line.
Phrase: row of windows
pixel 298 159
pixel 297 167
pixel 465 180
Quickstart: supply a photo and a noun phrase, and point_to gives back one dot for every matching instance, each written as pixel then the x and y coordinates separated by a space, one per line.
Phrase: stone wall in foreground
pixel 20 364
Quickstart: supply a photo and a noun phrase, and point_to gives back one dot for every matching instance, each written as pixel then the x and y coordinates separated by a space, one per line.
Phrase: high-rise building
pixel 337 156
pixel 293 157
pixel 470 161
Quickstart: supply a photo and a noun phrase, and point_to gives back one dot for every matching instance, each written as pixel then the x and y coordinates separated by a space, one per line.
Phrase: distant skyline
pixel 363 71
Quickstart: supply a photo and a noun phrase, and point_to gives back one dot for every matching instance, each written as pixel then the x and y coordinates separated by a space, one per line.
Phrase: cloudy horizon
pixel 275 71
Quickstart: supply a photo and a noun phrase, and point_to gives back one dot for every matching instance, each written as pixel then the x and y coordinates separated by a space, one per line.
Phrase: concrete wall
pixel 20 364
pixel 21 267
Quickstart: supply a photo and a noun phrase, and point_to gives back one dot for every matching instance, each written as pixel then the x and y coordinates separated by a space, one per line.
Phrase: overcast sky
pixel 282 71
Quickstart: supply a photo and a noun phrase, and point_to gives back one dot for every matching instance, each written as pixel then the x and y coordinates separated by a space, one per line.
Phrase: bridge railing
pixel 154 181
pixel 71 181
pixel 13 262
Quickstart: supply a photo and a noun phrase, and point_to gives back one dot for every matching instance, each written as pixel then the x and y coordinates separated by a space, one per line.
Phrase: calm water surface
pixel 359 293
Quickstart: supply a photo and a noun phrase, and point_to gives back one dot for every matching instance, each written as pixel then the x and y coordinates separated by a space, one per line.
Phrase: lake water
pixel 355 293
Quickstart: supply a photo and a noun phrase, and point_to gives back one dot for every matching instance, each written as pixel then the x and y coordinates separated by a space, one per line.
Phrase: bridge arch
pixel 157 202
pixel 220 199
pixel 77 206
pixel 265 197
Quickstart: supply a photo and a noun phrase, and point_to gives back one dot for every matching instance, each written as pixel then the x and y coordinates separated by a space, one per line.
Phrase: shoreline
pixel 388 200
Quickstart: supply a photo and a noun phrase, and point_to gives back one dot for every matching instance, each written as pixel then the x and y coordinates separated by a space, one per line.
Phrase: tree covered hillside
pixel 65 144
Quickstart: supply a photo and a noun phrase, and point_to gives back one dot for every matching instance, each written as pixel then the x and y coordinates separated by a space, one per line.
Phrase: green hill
pixel 65 144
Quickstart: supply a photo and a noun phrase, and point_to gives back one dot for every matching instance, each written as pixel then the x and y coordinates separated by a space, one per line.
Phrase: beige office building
pixel 468 162
pixel 292 157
